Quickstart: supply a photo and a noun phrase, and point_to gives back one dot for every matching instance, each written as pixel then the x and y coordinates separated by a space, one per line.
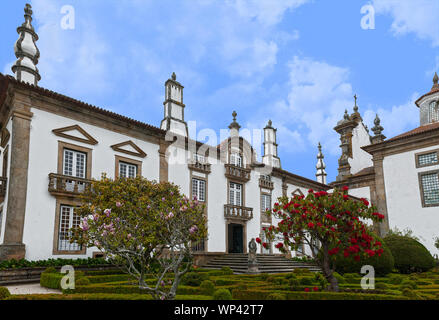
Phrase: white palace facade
pixel 52 146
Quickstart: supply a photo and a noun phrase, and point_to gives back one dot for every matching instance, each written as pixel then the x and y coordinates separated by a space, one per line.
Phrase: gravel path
pixel 31 288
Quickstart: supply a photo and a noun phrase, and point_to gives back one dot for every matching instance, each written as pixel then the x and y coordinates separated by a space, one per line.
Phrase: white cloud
pixel 412 16
pixel 398 119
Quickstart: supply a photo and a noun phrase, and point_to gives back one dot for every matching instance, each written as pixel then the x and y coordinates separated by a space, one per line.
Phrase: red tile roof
pixel 418 130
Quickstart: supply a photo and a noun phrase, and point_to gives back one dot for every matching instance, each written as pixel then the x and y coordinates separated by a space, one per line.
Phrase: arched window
pixel 434 111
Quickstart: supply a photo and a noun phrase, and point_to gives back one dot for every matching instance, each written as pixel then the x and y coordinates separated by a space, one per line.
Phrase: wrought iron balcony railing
pixel 66 185
pixel 239 173
pixel 238 212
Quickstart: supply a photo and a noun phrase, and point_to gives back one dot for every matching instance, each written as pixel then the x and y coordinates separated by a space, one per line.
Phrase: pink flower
pixel 118 204
pixel 193 229
pixel 129 236
pixel 107 212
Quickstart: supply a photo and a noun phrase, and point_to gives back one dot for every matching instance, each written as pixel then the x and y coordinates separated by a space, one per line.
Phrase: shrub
pixel 50 270
pixel 51 280
pixel 409 255
pixel 276 296
pixel 408 284
pixel 395 278
pixel 407 292
pixel 306 281
pixel 13 264
pixel 227 270
pixel 301 271
pixel 381 286
pixel 207 287
pixel 193 279
pixel 294 284
pixel 84 281
pixel 4 293
pixel 382 264
pixel 222 294
pixel 339 278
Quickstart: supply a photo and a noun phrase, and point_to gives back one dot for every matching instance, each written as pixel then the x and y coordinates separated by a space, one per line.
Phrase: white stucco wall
pixel 360 158
pixel 43 159
pixel 403 195
pixel 363 192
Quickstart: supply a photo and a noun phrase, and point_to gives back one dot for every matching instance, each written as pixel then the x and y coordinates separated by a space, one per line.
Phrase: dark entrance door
pixel 236 238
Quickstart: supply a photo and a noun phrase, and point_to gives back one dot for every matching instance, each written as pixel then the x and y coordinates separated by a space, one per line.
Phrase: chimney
pixel 321 172
pixel 173 120
pixel 270 157
pixel 25 68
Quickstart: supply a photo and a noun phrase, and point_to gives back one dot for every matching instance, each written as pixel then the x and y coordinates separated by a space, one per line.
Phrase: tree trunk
pixel 328 272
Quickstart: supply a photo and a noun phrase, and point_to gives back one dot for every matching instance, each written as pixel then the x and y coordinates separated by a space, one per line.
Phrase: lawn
pixel 201 284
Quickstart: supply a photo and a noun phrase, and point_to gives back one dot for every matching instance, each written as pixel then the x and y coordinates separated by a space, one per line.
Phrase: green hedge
pixel 51 280
pixel 409 254
pixel 99 296
pixel 12 264
pixel 264 295
pixel 4 293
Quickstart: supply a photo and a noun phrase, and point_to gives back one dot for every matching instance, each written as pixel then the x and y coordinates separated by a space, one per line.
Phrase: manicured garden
pixel 200 284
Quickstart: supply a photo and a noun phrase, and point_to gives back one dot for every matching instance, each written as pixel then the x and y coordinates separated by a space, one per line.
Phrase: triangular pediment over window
pixel 297 192
pixel 75 132
pixel 130 148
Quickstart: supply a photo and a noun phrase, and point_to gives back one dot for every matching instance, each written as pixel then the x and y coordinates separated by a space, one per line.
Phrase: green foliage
pixel 84 281
pixel 207 288
pixel 407 232
pixel 4 293
pixel 407 292
pixel 339 277
pixel 16 264
pixel 227 270
pixel 306 281
pixel 395 278
pixel 409 254
pixel 381 286
pixel 301 271
pixel 222 294
pixel 294 284
pixel 276 296
pixel 383 264
pixel 408 284
pixel 51 280
pixel 50 270
pixel 193 279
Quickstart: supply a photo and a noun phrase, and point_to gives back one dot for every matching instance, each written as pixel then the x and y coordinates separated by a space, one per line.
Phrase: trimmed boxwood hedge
pixel 99 296
pixel 4 293
pixel 264 295
pixel 13 264
pixel 409 254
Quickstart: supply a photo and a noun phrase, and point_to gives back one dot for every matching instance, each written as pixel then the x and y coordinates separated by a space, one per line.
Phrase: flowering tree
pixel 144 227
pixel 335 220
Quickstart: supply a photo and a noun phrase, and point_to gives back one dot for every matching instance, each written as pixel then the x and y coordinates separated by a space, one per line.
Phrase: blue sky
pixel 297 62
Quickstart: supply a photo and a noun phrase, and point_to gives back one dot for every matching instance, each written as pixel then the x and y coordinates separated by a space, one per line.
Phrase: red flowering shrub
pixel 335 220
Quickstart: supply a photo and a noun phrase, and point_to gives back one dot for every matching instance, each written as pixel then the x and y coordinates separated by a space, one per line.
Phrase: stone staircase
pixel 267 263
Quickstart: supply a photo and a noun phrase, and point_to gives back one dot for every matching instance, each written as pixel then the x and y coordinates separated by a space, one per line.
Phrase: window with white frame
pixel 430 188
pixel 235 194
pixel 265 202
pixel 236 159
pixel 199 158
pixel 427 159
pixel 127 170
pixel 74 163
pixel 67 220
pixel 199 189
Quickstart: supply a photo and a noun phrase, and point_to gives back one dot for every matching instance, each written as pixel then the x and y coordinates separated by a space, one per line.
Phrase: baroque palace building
pixel 52 146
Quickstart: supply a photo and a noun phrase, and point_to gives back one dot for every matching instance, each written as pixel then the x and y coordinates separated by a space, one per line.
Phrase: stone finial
pixel 378 131
pixel 435 81
pixel 234 124
pixel 174 76
pixel 321 166
pixel 346 115
pixel 270 123
pixel 26 51
pixel 355 106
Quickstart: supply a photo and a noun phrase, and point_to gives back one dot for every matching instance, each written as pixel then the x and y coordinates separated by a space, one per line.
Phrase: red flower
pixel 357 258
pixel 258 240
pixel 315 289
pixel 310 191
pixel 345 197
pixel 279 245
pixel 345 188
pixel 310 225
pixel 265 245
pixel 306 289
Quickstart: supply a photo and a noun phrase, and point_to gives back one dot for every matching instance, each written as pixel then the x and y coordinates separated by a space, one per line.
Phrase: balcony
pixel 237 173
pixel 200 167
pixel 267 184
pixel 3 184
pixel 60 185
pixel 237 212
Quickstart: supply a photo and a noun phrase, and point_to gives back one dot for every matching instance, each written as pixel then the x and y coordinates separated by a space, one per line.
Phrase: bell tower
pixel 429 104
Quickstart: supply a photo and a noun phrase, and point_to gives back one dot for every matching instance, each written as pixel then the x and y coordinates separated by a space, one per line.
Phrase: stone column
pixel 13 246
pixel 380 193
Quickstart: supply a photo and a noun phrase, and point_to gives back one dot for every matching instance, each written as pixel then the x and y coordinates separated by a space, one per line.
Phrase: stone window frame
pixel 5 162
pixel 205 187
pixel 242 190
pixel 421 188
pixel 65 145
pixel 118 159
pixel 64 202
pixel 424 153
